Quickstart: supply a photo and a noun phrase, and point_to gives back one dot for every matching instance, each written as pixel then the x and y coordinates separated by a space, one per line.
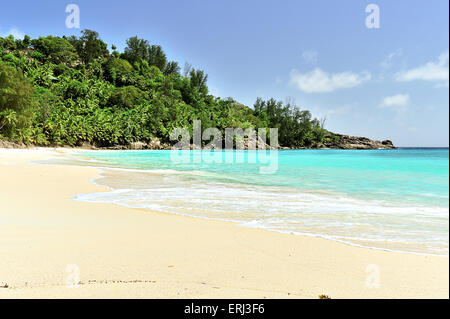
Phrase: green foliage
pixel 57 50
pixel 16 98
pixel 67 91
pixel 198 80
pixel 37 56
pixel 8 43
pixel 157 57
pixel 296 128
pixel 171 68
pixel 118 71
pixel 126 97
pixel 15 91
pixel 139 50
pixel 90 46
pixel 136 50
pixel 26 41
pixel 60 69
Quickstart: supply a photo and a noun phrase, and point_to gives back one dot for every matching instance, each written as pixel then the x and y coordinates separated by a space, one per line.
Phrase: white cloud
pixel 310 56
pixel 334 114
pixel 431 71
pixel 340 110
pixel 318 81
pixel 388 60
pixel 17 34
pixel 399 101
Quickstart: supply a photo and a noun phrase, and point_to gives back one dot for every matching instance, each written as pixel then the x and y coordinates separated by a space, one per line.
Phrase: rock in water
pixel 339 141
pixel 137 146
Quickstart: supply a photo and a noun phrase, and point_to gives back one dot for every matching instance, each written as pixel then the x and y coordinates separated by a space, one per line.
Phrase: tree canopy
pixel 68 91
pixel 16 98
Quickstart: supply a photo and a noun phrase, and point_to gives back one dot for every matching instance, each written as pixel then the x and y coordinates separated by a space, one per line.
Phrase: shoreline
pixel 106 172
pixel 341 142
pixel 236 262
pixel 11 145
pixel 235 222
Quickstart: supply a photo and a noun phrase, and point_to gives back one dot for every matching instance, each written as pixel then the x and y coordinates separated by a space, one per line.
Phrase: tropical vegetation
pixel 73 90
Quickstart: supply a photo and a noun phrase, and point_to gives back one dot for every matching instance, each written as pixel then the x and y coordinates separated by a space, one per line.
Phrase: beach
pixel 47 239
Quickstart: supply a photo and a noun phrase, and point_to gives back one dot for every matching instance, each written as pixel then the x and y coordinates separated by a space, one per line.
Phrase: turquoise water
pixel 388 199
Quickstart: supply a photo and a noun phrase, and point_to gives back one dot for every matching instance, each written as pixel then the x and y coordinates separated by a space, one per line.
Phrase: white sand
pixel 130 253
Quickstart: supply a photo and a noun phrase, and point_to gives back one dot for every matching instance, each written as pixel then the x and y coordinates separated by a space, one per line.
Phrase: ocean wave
pixel 369 223
pixel 359 199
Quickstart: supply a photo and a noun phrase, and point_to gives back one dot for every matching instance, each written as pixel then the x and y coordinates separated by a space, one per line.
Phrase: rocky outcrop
pixel 339 141
pixel 331 140
pixel 6 144
pixel 154 144
pixel 138 146
pixel 248 142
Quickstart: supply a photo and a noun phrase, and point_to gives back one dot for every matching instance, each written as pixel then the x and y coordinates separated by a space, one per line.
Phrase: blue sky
pixel 384 83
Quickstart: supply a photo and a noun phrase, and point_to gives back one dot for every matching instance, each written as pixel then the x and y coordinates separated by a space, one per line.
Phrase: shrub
pixel 126 97
pixel 16 98
pixel 118 71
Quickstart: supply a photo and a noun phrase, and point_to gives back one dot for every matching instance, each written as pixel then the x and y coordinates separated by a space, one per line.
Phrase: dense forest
pixel 73 90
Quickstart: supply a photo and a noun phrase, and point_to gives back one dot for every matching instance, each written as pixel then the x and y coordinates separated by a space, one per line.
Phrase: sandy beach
pixel 46 237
